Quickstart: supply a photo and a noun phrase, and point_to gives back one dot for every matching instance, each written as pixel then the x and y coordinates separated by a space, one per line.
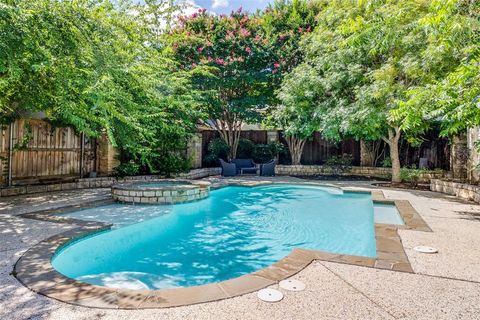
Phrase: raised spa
pixel 161 192
pixel 235 231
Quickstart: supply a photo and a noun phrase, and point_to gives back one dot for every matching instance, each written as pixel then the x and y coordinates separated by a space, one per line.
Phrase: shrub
pixel 170 164
pixel 411 175
pixel 246 149
pixel 127 169
pixel 340 164
pixel 217 148
pixel 387 163
pixel 265 152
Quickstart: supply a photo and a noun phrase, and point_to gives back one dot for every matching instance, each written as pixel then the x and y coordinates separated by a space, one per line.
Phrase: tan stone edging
pixel 184 191
pixel 461 190
pixel 35 271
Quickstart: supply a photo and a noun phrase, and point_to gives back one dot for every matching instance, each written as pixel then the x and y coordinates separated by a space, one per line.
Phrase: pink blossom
pixel 309 29
pixel 199 50
pixel 220 61
pixel 209 44
pixel 276 65
pixel 210 58
pixel 244 32
pixel 230 35
pixel 244 20
pixel 202 10
pixel 282 37
pixel 248 50
pixel 194 15
pixel 194 65
pixel 258 38
pixel 240 10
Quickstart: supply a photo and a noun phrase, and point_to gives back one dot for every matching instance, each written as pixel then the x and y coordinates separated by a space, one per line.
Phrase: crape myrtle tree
pixel 231 60
pixel 90 65
pixel 285 23
pixel 367 57
pixel 240 60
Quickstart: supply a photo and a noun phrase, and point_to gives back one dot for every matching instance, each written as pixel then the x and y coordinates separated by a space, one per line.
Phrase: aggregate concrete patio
pixel 444 286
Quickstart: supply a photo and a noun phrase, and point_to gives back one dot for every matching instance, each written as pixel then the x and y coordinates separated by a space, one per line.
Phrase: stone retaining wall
pixel 460 190
pixel 368 172
pixel 105 182
pixel 302 170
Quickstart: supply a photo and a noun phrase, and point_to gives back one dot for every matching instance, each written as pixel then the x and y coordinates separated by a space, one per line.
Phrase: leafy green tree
pixel 296 116
pixel 91 65
pixel 367 57
pixel 452 55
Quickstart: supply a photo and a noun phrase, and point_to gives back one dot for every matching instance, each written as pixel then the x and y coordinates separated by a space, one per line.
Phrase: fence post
pixel 459 156
pixel 194 150
pixel 107 156
pixel 10 155
pixel 82 153
pixel 473 165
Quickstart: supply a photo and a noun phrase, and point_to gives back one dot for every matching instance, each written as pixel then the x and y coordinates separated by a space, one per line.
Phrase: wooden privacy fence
pixel 316 150
pixel 41 152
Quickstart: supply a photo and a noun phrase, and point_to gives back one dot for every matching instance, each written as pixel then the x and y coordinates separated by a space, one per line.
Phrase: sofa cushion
pixel 244 163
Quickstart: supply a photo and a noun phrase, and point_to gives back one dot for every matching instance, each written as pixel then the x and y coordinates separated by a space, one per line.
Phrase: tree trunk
pixel 295 145
pixel 367 153
pixel 392 141
pixel 229 128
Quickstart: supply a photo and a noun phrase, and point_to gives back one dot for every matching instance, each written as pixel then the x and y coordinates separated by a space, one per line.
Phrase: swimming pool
pixel 237 230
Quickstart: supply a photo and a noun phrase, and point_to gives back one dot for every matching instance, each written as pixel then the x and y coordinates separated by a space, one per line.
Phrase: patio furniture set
pixel 247 166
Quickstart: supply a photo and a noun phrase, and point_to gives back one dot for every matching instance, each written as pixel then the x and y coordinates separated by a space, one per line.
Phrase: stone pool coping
pixel 34 269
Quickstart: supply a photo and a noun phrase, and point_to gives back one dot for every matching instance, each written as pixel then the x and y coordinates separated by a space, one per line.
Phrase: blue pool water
pixel 387 213
pixel 237 230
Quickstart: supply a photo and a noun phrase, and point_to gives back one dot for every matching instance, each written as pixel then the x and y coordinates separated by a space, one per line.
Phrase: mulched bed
pixel 420 186
pixel 339 178
pixel 385 184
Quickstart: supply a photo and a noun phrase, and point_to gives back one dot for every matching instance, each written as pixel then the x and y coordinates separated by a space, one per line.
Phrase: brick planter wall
pixel 460 190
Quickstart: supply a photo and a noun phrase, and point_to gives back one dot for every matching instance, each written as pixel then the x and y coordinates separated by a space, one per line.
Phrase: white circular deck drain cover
pixel 292 285
pixel 270 295
pixel 425 249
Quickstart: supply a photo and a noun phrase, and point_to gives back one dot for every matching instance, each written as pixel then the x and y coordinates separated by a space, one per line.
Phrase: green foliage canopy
pixel 373 66
pixel 91 65
pixel 394 64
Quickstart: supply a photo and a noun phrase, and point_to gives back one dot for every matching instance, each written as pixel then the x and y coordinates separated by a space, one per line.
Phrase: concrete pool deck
pixel 445 285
